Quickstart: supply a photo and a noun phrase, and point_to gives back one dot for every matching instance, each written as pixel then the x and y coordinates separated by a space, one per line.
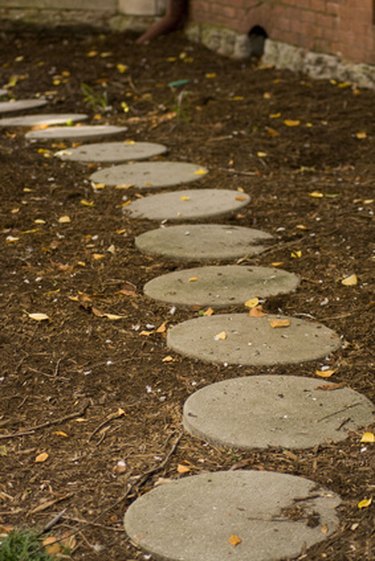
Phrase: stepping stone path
pixel 241 515
pixel 21 105
pixel 75 133
pixel 112 152
pixel 42 120
pixel 254 341
pixel 188 205
pixel 147 175
pixel 278 411
pixel 202 242
pixel 234 515
pixel 218 287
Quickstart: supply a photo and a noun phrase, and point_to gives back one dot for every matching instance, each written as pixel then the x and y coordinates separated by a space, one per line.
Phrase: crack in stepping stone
pixel 21 105
pixel 85 132
pixel 188 205
pixel 148 175
pixel 277 411
pixel 112 152
pixel 242 515
pixel 220 286
pixel 42 120
pixel 252 341
pixel 202 242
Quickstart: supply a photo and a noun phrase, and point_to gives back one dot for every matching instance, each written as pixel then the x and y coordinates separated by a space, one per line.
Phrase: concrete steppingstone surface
pixel 220 286
pixel 234 515
pixel 112 152
pixel 148 175
pixel 13 106
pixel 202 242
pixel 252 341
pixel 85 132
pixel 42 120
pixel 188 205
pixel 277 411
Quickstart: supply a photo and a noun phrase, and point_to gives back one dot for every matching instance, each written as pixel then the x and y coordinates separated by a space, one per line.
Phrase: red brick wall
pixel 341 27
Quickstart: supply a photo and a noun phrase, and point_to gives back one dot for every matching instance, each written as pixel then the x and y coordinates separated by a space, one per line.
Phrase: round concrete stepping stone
pixel 234 515
pixel 75 133
pixel 241 339
pixel 3 93
pixel 279 411
pixel 188 205
pixel 202 242
pixel 42 120
pixel 21 105
pixel 112 152
pixel 147 175
pixel 219 286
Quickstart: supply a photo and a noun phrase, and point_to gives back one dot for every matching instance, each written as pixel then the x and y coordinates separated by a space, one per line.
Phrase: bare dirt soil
pixel 93 393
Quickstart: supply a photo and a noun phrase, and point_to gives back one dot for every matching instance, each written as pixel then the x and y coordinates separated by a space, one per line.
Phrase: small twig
pixel 339 411
pixel 47 424
pixel 95 524
pixel 57 367
pixel 238 172
pixel 53 522
pixel 112 417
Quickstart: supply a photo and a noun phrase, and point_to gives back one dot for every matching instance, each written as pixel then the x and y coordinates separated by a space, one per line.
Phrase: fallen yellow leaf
pixel 168 358
pixel 262 154
pixel 277 323
pixel 368 437
pixel 41 458
pixel 183 469
pixel 297 254
pixel 252 303
pixel 365 503
pixel 352 280
pixel 184 198
pixel 193 279
pixel 64 220
pixel 234 540
pixel 277 263
pixel 85 202
pixel 324 373
pixel 162 328
pixel 211 75
pixel 221 336
pixel 122 68
pixel 240 198
pixel 200 171
pixel 316 195
pixel 60 433
pixel 361 135
pixel 38 316
pixel 292 122
pixel 209 312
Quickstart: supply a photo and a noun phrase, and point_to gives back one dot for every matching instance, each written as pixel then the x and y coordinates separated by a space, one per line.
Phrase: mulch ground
pixel 94 394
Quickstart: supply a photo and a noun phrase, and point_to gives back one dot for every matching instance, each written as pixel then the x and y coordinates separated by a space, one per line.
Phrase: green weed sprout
pixel 23 545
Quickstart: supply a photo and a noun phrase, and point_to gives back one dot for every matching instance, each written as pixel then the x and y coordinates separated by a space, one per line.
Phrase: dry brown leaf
pixel 209 312
pixel 240 198
pixel 277 323
pixel 257 312
pixel 331 387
